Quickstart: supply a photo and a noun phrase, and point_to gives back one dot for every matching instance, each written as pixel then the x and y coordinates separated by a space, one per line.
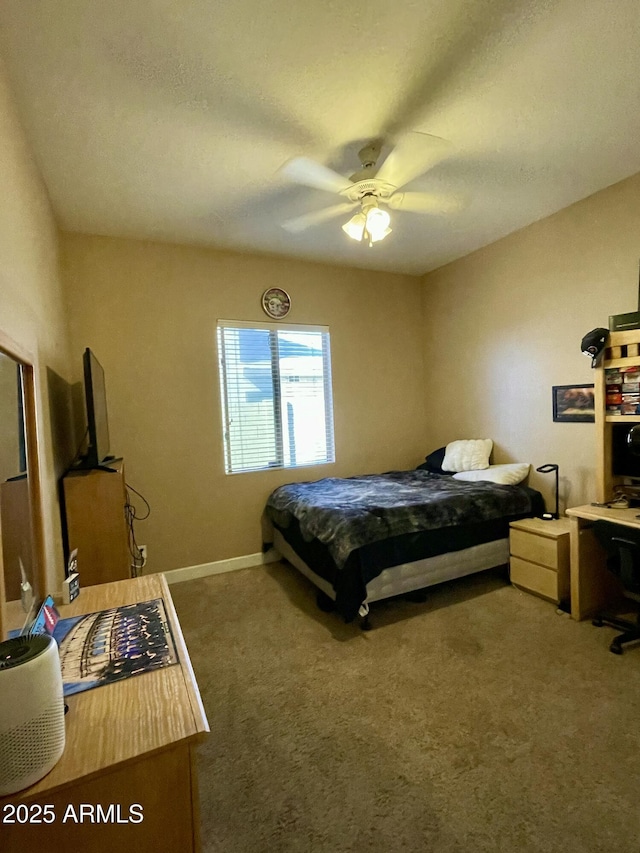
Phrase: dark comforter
pixel 348 516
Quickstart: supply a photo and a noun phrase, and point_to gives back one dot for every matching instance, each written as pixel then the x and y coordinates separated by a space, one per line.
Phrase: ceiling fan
pixel 373 189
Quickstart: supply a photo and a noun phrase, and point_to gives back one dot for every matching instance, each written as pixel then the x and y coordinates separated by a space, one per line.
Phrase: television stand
pixel 106 468
pixel 94 509
pixel 104 465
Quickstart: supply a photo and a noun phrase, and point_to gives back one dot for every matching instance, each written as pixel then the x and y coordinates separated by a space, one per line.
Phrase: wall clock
pixel 276 302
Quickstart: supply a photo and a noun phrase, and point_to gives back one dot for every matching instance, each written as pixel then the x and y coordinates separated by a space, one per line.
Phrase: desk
pixel 592 585
pixel 130 742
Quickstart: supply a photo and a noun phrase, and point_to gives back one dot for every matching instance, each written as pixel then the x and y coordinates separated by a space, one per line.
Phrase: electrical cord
pixel 137 556
pixel 146 502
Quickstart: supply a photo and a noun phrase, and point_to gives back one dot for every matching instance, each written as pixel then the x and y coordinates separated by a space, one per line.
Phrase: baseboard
pixel 189 573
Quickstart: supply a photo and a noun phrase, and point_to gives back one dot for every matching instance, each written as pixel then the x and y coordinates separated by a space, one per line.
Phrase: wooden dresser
pixel 128 743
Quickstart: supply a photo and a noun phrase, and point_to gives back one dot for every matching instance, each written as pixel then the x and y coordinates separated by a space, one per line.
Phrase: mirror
pixel 20 538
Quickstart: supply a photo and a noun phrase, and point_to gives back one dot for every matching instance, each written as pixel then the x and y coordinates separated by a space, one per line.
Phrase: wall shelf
pixel 633 361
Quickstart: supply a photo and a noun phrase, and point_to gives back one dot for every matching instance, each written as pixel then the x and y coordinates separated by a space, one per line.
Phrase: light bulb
pixel 378 224
pixel 355 226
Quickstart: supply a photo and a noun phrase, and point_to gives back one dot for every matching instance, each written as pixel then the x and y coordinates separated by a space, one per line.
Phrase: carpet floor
pixel 481 720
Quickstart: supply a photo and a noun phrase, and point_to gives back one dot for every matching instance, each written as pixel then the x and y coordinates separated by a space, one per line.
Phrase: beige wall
pixel 31 307
pixel 505 323
pixel 149 313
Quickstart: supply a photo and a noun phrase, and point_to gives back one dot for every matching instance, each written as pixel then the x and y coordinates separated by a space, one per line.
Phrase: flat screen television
pixel 96 405
pixel 625 463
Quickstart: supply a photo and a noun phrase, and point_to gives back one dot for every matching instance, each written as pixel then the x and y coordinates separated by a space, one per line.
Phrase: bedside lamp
pixel 547 469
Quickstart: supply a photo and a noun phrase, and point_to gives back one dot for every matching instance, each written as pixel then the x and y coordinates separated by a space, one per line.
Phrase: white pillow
pixel 506 475
pixel 467 454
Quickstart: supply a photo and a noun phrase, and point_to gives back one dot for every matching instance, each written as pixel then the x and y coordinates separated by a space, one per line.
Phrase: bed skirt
pixel 408 577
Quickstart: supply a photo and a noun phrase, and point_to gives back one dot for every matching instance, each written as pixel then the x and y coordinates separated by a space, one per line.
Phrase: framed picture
pixel 574 403
pixel 276 302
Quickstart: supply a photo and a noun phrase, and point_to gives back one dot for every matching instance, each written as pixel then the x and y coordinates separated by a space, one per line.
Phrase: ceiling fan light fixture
pixel 371 224
pixel 377 224
pixel 380 236
pixel 355 226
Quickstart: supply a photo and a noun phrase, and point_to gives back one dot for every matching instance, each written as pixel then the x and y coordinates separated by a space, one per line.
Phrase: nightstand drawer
pixel 534 578
pixel 535 549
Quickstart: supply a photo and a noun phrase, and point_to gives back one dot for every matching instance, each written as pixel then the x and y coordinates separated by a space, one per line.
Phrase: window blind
pixel 275 383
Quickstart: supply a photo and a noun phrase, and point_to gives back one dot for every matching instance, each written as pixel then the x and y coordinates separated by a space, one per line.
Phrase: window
pixel 275 382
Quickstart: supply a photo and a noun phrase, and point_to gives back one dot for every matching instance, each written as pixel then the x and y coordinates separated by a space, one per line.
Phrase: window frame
pixel 223 379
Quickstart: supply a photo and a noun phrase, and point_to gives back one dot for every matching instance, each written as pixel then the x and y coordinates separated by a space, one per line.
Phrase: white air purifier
pixel 32 732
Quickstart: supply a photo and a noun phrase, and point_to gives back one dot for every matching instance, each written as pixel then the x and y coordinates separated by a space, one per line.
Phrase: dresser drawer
pixel 535 549
pixel 535 578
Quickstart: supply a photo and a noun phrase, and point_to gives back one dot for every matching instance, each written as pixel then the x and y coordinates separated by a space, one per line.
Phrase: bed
pixel 363 539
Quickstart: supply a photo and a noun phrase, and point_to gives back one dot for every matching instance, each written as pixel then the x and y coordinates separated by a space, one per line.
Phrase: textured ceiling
pixel 169 120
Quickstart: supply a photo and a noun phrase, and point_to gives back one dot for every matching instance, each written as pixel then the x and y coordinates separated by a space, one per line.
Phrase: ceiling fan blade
pixel 414 155
pixel 426 202
pixel 302 170
pixel 301 223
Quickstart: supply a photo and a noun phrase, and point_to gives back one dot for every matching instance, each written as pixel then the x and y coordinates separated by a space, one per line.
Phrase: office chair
pixel 622 546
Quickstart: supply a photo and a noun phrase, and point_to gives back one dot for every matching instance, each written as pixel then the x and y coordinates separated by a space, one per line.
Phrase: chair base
pixel 631 631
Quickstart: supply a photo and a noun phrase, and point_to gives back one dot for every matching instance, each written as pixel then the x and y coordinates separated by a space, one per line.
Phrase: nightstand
pixel 539 561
